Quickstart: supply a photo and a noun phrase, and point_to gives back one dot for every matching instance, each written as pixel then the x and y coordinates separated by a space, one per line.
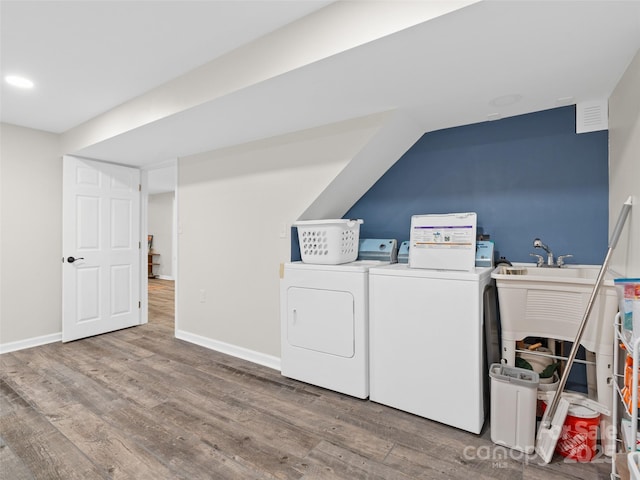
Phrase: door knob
pixel 72 259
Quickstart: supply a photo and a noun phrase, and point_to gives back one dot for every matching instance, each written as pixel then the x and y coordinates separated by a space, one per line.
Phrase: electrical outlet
pixel 283 230
pixel 203 295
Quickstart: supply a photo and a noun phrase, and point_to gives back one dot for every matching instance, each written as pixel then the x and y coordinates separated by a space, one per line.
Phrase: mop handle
pixel 626 207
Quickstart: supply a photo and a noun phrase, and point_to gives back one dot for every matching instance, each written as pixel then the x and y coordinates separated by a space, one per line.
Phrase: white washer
pixel 426 343
pixel 325 325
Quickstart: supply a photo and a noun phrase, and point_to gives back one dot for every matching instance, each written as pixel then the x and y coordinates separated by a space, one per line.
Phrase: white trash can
pixel 514 394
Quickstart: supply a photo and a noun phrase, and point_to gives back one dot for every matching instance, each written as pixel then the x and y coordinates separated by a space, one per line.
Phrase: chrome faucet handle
pixel 540 261
pixel 560 260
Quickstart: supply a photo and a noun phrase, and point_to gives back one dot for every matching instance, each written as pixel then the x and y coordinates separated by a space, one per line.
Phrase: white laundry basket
pixel 328 242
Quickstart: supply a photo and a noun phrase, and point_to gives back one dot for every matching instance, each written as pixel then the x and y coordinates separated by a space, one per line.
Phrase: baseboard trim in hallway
pixel 240 352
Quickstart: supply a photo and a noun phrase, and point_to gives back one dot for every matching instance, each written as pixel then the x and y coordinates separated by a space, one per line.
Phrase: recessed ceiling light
pixel 18 81
pixel 506 100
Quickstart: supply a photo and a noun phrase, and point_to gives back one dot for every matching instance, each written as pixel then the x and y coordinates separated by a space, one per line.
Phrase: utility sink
pixel 550 303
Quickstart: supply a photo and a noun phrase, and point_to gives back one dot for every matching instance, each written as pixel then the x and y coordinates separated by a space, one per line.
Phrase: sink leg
pixel 604 374
pixel 509 351
pixel 592 377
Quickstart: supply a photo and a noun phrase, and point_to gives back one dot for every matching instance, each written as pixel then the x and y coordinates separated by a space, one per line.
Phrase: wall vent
pixel 592 116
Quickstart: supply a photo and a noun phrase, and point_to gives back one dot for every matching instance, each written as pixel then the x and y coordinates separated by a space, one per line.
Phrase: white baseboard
pixel 240 352
pixel 30 342
pixel 234 350
pixel 165 277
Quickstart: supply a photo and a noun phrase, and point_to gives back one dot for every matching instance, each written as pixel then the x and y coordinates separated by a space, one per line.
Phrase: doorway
pixel 161 300
pixel 161 226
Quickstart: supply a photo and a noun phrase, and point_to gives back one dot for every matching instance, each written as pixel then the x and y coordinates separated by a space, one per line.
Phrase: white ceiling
pixel 87 57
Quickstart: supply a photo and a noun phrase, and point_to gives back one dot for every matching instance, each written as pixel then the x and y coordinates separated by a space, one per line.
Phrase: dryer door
pixel 321 320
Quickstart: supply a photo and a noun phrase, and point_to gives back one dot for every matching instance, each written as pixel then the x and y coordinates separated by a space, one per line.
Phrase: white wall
pixel 397 134
pixel 624 167
pixel 31 237
pixel 160 225
pixel 233 207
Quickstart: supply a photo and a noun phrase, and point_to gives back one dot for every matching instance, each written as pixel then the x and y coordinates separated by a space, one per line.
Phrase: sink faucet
pixel 537 243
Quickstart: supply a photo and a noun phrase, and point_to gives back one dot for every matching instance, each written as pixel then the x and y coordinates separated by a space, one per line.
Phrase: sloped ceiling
pixel 449 66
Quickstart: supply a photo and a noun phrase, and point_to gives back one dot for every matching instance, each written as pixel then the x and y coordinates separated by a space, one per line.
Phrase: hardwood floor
pixel 140 404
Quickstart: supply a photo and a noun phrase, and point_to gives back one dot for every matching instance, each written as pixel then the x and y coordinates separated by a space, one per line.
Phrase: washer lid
pixel 403 270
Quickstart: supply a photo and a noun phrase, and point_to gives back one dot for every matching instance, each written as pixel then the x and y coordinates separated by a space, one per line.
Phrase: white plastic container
pixel 514 395
pixel 328 242
pixel 629 299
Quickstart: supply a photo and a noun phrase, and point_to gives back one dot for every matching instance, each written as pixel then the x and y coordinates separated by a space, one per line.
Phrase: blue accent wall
pixel 526 176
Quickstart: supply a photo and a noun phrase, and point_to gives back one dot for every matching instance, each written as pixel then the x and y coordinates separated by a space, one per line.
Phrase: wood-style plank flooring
pixel 140 404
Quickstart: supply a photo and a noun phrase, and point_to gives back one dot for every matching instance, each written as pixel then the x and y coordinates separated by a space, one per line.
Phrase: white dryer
pixel 325 325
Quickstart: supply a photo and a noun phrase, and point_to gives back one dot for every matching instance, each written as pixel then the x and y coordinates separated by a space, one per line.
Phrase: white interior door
pixel 101 247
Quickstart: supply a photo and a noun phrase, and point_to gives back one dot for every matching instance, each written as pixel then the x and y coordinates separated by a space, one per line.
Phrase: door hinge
pixel 139 245
pixel 139 187
pixel 139 304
